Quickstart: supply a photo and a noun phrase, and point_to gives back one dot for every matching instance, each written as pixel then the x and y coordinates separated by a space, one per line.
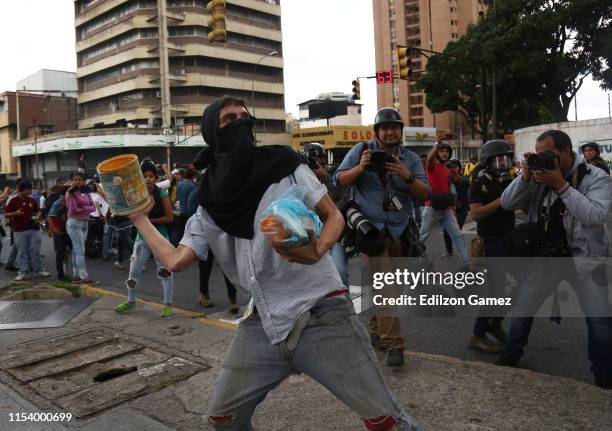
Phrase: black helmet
pixel 314 149
pixel 444 144
pixel 388 115
pixel 495 147
pixel 454 162
pixel 593 145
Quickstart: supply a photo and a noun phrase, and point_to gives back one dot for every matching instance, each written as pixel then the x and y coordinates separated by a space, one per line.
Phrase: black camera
pixel 543 160
pixel 378 158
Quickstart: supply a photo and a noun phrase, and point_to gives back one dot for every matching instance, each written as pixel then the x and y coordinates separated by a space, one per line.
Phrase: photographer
pixel 567 202
pixel 439 209
pixel 492 224
pixel 316 157
pixel 386 178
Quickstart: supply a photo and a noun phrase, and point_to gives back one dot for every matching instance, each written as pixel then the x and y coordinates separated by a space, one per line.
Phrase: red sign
pixel 384 77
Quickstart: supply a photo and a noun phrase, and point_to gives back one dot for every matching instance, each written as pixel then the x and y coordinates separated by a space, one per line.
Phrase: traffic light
pixel 356 89
pixel 216 21
pixel 403 63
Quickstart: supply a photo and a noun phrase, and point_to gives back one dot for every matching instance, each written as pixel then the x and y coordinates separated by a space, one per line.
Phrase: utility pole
pixel 164 67
pixel 494 95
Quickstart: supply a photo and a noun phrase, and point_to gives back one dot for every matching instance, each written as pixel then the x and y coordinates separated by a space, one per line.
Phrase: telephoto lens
pixel 359 223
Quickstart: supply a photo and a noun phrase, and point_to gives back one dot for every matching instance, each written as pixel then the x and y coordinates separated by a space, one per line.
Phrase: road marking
pixel 199 317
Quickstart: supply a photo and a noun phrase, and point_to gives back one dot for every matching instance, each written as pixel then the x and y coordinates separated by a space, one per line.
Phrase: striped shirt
pixel 280 290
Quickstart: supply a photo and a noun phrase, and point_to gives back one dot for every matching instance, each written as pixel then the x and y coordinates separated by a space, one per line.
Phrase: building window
pixel 455 36
pixel 453 10
pixel 454 22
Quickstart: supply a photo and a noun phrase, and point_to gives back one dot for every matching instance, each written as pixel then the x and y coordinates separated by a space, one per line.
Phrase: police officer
pixel 492 223
pixel 384 194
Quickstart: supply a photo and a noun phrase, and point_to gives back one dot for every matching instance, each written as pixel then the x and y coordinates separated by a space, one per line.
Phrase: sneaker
pixel 604 382
pixel 119 265
pixel 395 358
pixel 376 343
pixel 497 332
pixel 446 256
pixel 124 306
pixel 205 302
pixel 484 345
pixel 507 360
pixel 10 267
pixel 42 274
pixel 21 276
pixel 167 311
pixel 89 281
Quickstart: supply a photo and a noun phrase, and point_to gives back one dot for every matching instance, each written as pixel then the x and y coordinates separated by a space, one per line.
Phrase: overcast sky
pixel 327 43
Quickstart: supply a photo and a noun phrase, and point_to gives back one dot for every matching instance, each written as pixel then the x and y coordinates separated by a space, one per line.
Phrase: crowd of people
pixel 382 200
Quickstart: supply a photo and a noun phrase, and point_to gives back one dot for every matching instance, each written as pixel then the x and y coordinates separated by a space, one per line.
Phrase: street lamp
pixel 270 54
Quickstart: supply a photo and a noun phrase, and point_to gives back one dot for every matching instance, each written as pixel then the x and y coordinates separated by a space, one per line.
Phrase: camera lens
pixel 357 221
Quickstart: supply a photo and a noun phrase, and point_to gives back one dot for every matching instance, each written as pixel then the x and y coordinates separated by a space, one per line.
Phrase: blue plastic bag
pixel 295 217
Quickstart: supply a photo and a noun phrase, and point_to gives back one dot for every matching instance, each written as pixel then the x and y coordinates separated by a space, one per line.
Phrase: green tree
pixel 541 51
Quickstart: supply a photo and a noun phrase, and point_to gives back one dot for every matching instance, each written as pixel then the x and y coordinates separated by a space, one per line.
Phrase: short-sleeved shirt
pixel 498 224
pixel 439 178
pixel 161 228
pixel 280 290
pixel 368 191
pixel 29 207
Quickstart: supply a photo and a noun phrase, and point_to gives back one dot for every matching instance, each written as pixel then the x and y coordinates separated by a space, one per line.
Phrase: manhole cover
pixel 48 313
pixel 89 372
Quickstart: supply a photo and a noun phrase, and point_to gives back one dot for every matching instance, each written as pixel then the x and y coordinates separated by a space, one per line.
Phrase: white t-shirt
pixel 100 203
pixel 164 185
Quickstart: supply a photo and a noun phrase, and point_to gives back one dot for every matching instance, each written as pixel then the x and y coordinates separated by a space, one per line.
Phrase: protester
pixel 567 205
pixel 462 207
pixel 80 205
pixel 439 207
pixel 492 223
pixel 160 216
pixel 24 213
pixel 377 190
pixel 469 168
pixel 56 220
pixel 592 155
pixel 299 314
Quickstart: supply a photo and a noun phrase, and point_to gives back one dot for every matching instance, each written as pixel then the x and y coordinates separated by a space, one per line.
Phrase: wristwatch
pixel 410 179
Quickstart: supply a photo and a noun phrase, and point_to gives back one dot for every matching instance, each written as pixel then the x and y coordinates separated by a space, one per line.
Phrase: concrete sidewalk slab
pixel 442 393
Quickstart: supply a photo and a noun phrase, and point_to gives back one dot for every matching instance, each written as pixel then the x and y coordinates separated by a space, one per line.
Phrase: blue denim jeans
pixel 433 217
pixel 334 349
pixel 77 231
pixel 28 251
pixel 140 256
pixel 535 288
pixel 341 262
pixel 107 238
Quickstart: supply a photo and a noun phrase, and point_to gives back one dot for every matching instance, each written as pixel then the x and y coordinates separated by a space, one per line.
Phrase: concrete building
pixel 427 24
pixel 46 81
pixel 597 130
pixel 352 117
pixel 149 63
pixel 37 115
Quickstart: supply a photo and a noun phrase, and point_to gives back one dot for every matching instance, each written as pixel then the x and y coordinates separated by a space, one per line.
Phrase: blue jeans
pixel 125 245
pixel 107 238
pixel 28 250
pixel 535 288
pixel 341 262
pixel 77 231
pixel 140 256
pixel 334 349
pixel 433 217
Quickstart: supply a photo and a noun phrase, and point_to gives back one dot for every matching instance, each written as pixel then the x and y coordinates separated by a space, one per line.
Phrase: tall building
pixel 50 83
pixel 149 63
pixel 427 24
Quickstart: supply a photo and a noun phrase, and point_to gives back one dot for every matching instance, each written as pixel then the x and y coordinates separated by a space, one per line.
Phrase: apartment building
pixel 149 63
pixel 428 24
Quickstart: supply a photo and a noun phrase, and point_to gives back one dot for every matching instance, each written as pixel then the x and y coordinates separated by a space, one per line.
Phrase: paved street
pixel 553 349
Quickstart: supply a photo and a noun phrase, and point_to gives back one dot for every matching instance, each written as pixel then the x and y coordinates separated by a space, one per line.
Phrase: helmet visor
pixel 502 162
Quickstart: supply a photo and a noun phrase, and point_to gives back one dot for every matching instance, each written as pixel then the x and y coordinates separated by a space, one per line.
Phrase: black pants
pixel 205 271
pixel 493 248
pixel 61 244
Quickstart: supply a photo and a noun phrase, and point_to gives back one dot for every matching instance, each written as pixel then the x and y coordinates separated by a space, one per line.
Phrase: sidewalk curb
pixel 89 290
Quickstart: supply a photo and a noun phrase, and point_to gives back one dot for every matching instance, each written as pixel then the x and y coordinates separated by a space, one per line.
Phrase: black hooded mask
pixel 238 173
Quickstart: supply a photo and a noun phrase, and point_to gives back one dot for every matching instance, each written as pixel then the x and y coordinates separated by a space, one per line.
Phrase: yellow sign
pixel 331 136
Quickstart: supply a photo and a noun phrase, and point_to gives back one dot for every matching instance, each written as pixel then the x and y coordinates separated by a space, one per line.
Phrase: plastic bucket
pixel 124 184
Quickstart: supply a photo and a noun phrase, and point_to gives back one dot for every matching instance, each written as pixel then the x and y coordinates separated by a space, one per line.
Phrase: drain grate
pixel 26 312
pixel 47 313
